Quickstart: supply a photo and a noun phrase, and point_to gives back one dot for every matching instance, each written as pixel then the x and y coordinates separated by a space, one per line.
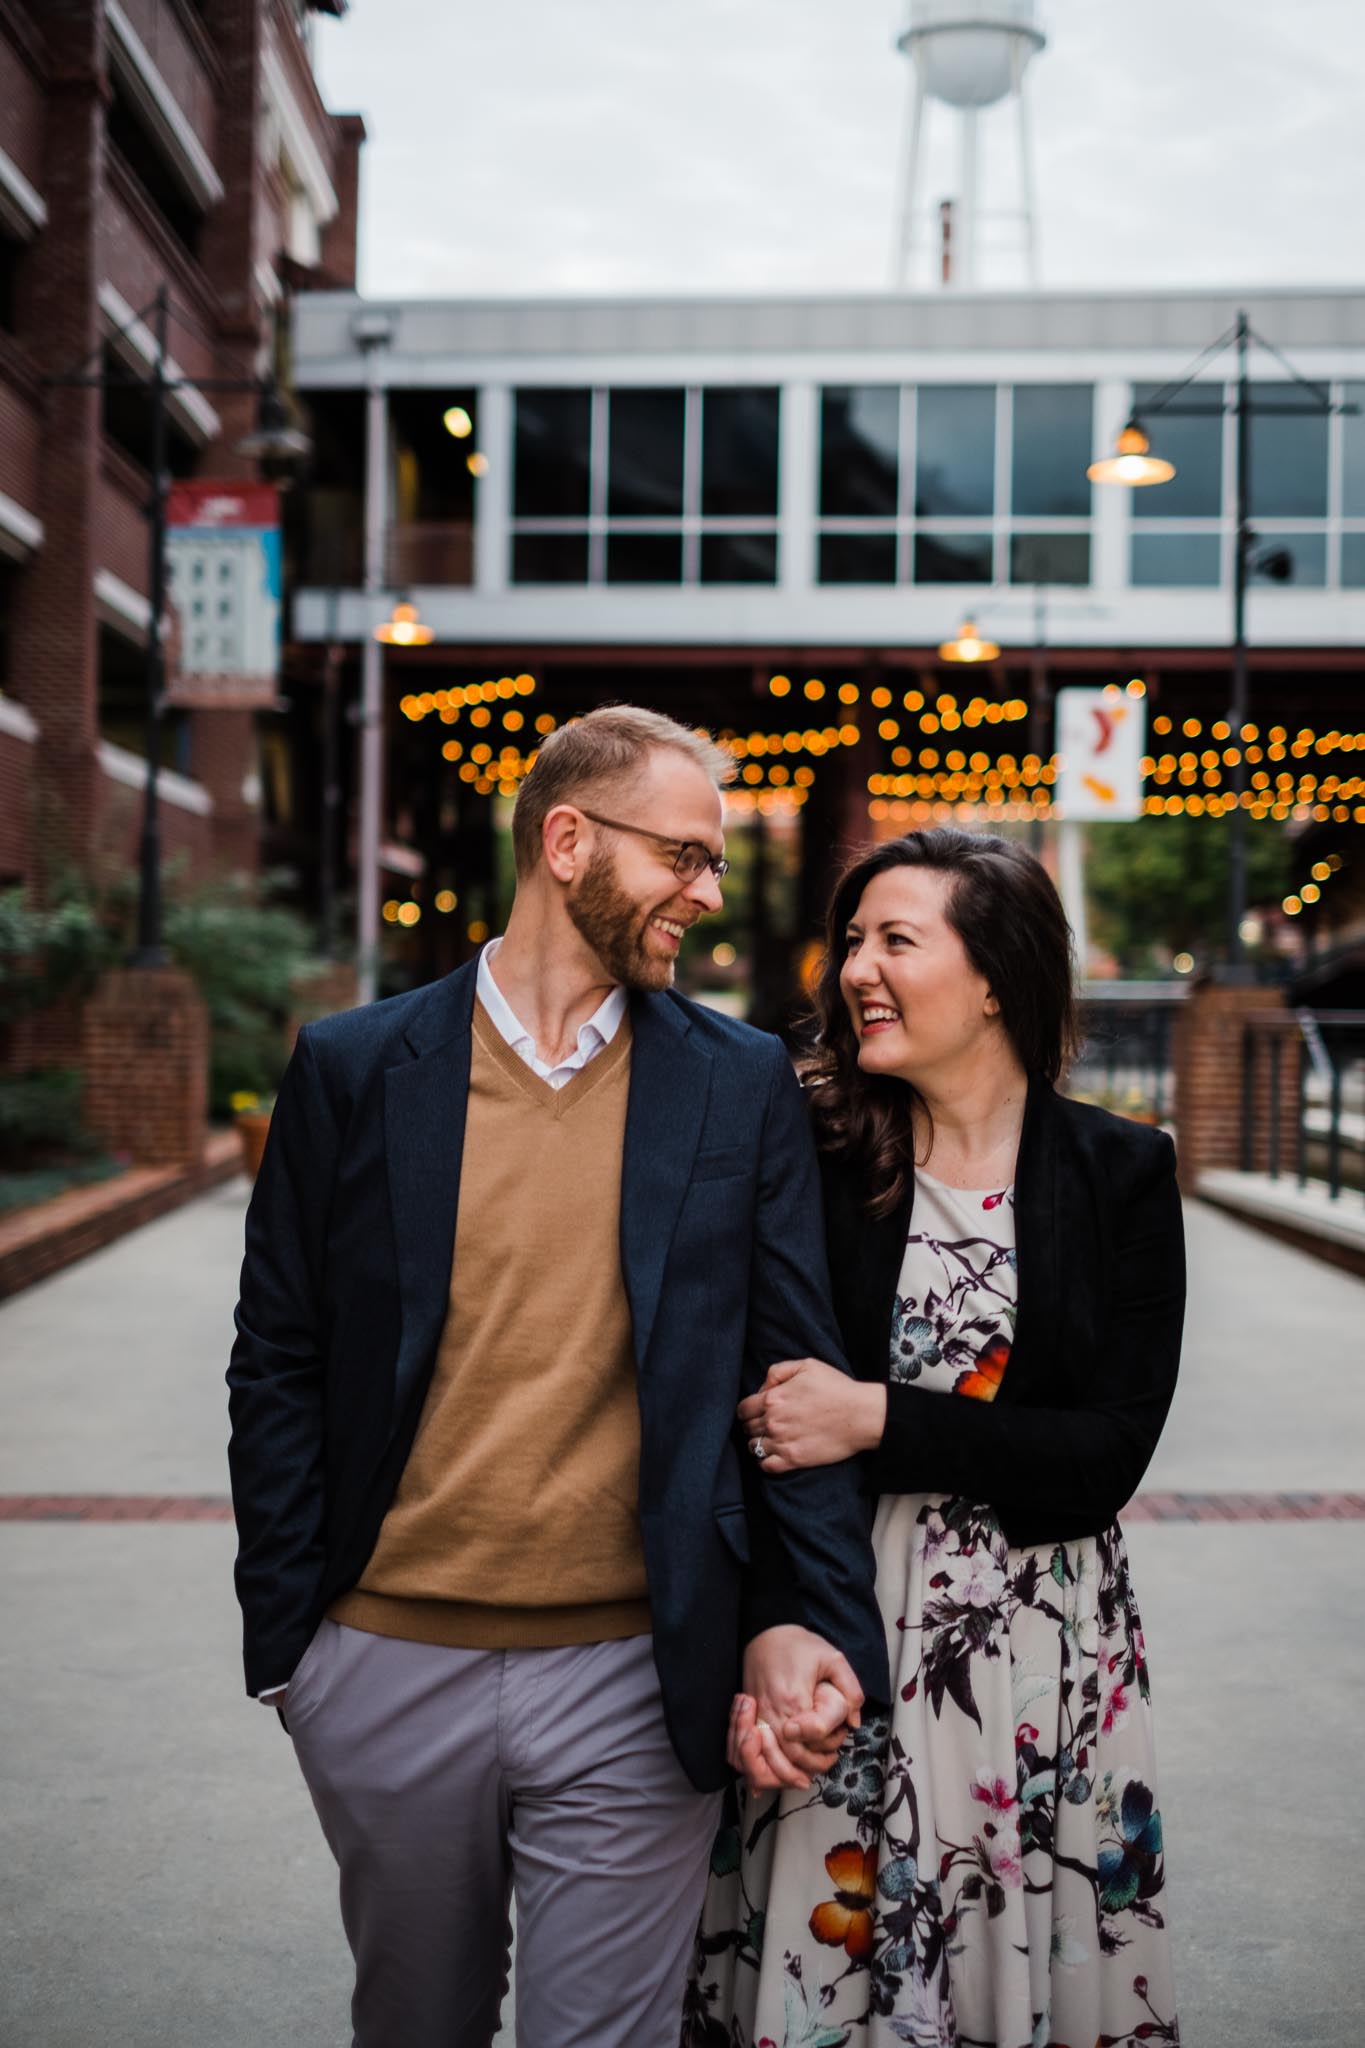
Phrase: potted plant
pixel 251 1114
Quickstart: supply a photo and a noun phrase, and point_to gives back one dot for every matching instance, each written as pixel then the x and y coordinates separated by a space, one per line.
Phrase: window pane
pixel 644 558
pixel 1175 558
pixel 1307 563
pixel 739 558
pixel 1353 466
pixel 953 557
pixel 1288 462
pixel 645 463
pixel 859 434
pixel 857 558
pixel 1353 560
pixel 1194 443
pixel 1050 558
pixel 739 453
pixel 954 450
pixel 1053 427
pixel 550 558
pixel 553 430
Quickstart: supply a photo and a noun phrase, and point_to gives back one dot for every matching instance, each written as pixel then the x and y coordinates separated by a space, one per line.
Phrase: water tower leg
pixel 909 183
pixel 1026 196
pixel 966 266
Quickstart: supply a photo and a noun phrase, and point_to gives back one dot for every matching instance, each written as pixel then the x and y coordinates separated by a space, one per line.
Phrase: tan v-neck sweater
pixel 516 1520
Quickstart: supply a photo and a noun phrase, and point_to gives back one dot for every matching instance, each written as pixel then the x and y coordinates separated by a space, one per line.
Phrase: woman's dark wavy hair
pixel 1004 908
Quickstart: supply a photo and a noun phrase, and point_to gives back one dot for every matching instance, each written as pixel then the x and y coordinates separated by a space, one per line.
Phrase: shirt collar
pixel 599 1030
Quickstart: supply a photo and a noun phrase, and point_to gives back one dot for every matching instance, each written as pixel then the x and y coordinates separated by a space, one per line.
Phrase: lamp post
pixel 274 442
pixel 1134 464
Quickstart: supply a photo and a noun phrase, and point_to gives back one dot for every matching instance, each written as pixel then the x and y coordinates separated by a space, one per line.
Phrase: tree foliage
pixel 1158 886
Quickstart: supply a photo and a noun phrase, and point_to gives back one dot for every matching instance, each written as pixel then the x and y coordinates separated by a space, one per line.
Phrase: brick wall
pixel 20 428
pixel 1207 1052
pixel 144 1058
pixel 184 57
pixel 21 100
pixel 120 522
pixel 16 771
pixel 338 265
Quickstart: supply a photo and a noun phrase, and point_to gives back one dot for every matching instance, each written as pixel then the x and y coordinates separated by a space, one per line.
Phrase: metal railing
pixel 1303 1090
pixel 1125 1061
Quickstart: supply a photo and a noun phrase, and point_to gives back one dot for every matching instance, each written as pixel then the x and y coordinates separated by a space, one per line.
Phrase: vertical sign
pixel 225 580
pixel 1101 739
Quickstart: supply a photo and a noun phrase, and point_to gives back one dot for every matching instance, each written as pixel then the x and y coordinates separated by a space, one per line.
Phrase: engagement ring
pixel 759 1448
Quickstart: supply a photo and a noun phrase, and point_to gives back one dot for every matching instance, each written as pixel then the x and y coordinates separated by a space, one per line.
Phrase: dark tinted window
pixel 1175 558
pixel 550 558
pixel 553 432
pixel 1194 443
pixel 739 558
pixel 1353 454
pixel 644 558
pixel 1052 435
pixel 1050 558
pixel 739 453
pixel 1288 462
pixel 859 464
pixel 954 450
pixel 645 465
pixel 953 558
pixel 1353 560
pixel 857 558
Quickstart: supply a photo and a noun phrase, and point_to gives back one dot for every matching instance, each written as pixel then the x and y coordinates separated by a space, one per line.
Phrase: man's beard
pixel 612 923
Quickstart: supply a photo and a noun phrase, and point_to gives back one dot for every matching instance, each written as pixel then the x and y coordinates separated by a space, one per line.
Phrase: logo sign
pixel 1101 739
pixel 226 583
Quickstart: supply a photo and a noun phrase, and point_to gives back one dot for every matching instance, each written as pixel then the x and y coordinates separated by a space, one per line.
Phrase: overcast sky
pixel 583 146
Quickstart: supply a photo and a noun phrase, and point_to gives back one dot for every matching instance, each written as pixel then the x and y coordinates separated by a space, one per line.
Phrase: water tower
pixel 967 55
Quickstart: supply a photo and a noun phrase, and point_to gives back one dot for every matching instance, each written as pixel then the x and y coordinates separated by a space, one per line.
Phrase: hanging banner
pixel 1101 739
pixel 225 581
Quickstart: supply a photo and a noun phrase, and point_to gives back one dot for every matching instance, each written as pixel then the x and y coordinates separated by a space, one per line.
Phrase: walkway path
pixel 164 1881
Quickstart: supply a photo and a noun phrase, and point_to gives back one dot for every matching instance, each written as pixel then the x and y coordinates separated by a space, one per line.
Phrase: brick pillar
pixel 336 271
pixel 1208 1053
pixel 55 665
pixel 145 1052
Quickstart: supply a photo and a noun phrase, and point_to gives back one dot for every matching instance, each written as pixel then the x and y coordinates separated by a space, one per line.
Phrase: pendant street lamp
pixel 1132 461
pixel 405 628
pixel 968 645
pixel 277 446
pixel 1135 465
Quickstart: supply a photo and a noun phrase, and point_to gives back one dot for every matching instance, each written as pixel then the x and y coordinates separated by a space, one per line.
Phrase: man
pixel 520 1243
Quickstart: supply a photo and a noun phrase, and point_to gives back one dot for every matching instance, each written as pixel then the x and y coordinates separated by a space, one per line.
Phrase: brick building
pixel 142 143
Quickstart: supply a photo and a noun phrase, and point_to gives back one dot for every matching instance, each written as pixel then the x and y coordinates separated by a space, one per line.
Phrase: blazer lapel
pixel 670 1083
pixel 425 1101
pixel 865 1263
pixel 1035 1229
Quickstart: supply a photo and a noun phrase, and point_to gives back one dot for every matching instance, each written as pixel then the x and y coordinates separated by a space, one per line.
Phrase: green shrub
pixel 40 1115
pixel 249 959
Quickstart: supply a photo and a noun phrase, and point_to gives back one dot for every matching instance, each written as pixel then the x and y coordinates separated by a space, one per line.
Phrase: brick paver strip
pixel 1147 1507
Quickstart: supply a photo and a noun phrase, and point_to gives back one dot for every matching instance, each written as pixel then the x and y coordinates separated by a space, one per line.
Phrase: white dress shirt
pixel 598 1032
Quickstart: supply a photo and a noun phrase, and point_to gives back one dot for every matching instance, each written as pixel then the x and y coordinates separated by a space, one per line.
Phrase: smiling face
pixel 918 1007
pixel 627 902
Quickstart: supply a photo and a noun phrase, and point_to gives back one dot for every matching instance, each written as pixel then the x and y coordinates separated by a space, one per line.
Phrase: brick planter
pixel 145 1055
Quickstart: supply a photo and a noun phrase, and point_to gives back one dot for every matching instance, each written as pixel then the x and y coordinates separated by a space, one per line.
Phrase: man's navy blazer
pixel 345 1285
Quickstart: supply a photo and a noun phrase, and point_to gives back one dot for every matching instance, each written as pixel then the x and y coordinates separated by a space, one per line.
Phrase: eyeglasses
pixel 691 856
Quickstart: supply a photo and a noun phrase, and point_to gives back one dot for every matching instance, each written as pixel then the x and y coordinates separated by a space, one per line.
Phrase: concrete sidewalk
pixel 165 1882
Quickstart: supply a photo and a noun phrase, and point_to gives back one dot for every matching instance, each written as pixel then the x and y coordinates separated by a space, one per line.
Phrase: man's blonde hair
pixel 586 758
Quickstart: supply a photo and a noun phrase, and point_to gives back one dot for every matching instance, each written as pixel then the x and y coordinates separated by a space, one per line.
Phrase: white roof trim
pixel 297 140
pixel 131 770
pixel 124 610
pixel 22 209
pixel 20 531
pixel 133 66
pixel 135 343
pixel 18 723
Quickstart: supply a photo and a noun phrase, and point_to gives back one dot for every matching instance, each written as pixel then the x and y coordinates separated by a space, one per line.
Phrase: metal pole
pixel 1237 838
pixel 372 693
pixel 150 952
pixel 331 796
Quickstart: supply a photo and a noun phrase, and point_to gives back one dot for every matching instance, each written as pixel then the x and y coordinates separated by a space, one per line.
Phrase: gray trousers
pixel 447 1780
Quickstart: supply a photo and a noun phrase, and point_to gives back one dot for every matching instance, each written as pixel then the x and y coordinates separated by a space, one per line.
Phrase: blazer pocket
pixel 721 1164
pixel 733 1524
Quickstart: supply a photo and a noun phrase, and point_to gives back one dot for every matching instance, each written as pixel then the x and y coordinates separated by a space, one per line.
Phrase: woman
pixel 983 1862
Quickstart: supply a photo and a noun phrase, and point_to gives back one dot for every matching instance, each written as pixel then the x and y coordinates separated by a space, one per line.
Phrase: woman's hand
pixel 806 1413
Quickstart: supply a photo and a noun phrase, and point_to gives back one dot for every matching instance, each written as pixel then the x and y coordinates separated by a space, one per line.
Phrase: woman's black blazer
pixel 1101 1256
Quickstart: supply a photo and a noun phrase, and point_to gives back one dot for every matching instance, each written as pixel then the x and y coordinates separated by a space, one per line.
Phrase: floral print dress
pixel 982 1867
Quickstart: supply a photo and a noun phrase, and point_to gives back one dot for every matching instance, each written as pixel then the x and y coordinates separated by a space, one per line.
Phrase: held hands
pixel 807 1413
pixel 800 1699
